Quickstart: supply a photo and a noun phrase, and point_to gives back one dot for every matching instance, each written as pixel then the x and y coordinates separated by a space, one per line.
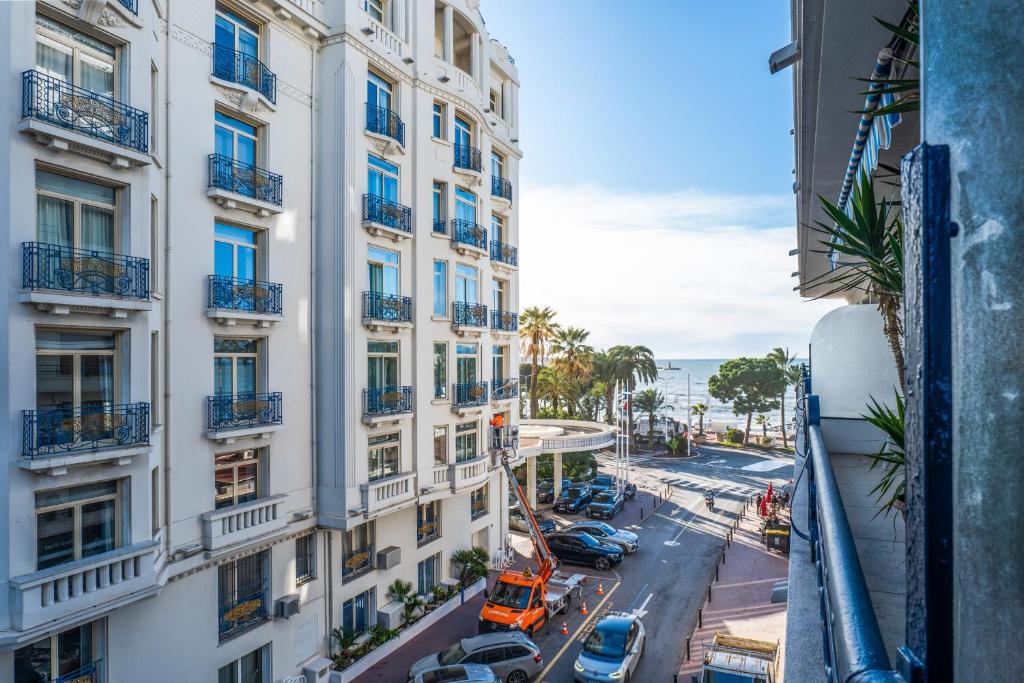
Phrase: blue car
pixel 574 499
pixel 606 504
pixel 603 482
pixel 612 651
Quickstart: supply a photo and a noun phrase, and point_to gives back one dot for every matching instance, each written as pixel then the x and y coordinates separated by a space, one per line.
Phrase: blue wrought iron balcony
pixel 388 308
pixel 242 614
pixel 439 227
pixel 501 187
pixel 467 157
pixel 504 253
pixel 58 431
pixel 469 233
pixel 59 103
pixel 83 271
pixel 240 411
pixel 250 181
pixel 356 562
pixel 387 213
pixel 465 314
pixel 385 122
pixel 237 67
pixel 469 395
pixel 243 296
pixel 504 389
pixel 384 401
pixel 504 321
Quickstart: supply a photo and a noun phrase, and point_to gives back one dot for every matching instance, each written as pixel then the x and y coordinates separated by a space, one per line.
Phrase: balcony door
pixel 463 132
pixel 234 252
pixel 498 295
pixel 235 139
pixel 76 522
pixel 497 165
pixel 497 229
pixel 498 362
pixel 465 205
pixel 235 366
pixel 237 33
pixel 75 370
pixel 382 270
pixel 381 364
pixel 466 284
pixel 71 655
pixel 382 179
pixel 75 214
pixel 466 361
pixel 379 92
pixel 75 58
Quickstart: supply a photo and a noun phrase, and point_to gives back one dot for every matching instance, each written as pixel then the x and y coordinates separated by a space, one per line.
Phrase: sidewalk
pixel 740 599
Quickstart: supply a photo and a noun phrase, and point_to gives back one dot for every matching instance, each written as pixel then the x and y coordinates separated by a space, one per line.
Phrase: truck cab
pixel 517 603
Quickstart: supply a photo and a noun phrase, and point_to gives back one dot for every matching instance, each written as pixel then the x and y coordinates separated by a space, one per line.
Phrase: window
pixel 499 364
pixel 498 295
pixel 428 522
pixel 235 251
pixel 76 370
pixel 74 57
pixel 383 454
pixel 75 213
pixel 498 228
pixel 465 205
pixel 441 288
pixel 242 593
pixel 382 178
pixel 154 499
pixel 252 668
pixel 440 370
pixel 235 363
pixel 466 441
pixel 305 559
pixel 376 9
pixel 497 164
pixel 478 502
pixel 156 245
pixel 440 207
pixel 466 283
pixel 495 102
pixel 466 355
pixel 359 613
pixel 439 120
pixel 381 364
pixel 236 478
pixel 463 131
pixel 379 92
pixel 154 105
pixel 382 270
pixel 235 139
pixel 428 574
pixel 76 522
pixel 72 655
pixel 237 33
pixel 440 445
pixel 357 551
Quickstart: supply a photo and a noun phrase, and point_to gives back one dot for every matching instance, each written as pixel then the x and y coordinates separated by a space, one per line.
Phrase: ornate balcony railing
pixel 390 492
pixel 237 67
pixel 385 122
pixel 356 563
pixel 386 212
pixel 83 271
pixel 242 614
pixel 477 509
pixel 246 296
pixel 251 181
pixel 504 389
pixel 89 673
pixel 379 401
pixel 469 315
pixel 501 187
pixel 504 253
pixel 468 232
pixel 469 395
pixel 504 321
pixel 428 531
pixel 439 228
pixel 387 307
pixel 238 411
pixel 59 431
pixel 58 102
pixel 467 157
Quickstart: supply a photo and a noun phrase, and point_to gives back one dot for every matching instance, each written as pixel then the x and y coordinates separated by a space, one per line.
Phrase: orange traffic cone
pixel 583 609
pixel 565 629
pixel 600 588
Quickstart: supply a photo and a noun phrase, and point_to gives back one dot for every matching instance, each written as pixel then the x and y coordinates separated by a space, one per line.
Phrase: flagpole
pixel 689 416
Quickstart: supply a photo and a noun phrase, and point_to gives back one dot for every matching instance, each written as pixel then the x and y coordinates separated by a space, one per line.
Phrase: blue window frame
pixel 427 574
pixel 438 121
pixel 235 138
pixel 359 613
pixel 378 91
pixel 441 288
pixel 465 205
pixel 382 178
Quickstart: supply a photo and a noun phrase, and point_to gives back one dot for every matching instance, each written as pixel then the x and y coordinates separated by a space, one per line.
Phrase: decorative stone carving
pixel 110 18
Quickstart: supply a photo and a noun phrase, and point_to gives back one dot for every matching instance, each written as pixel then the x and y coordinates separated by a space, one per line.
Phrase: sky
pixel 655 192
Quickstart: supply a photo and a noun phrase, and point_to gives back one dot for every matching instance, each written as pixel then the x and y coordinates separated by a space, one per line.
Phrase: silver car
pixel 512 656
pixel 606 533
pixel 612 651
pixel 460 673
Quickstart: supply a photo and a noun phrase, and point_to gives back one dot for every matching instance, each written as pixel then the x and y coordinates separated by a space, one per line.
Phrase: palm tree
pixel 650 402
pixel 573 355
pixel 472 564
pixel 537 327
pixel 700 409
pixel 636 364
pixel 605 369
pixel 784 361
pixel 552 385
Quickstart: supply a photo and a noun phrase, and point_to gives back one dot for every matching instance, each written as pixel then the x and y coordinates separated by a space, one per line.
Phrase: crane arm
pixel 540 546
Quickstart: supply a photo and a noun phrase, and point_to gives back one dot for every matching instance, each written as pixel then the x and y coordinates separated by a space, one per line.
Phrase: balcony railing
pixel 251 181
pixel 470 233
pixel 83 271
pixel 356 563
pixel 387 307
pixel 501 187
pixel 242 522
pixel 242 614
pixel 245 296
pixel 469 473
pixel 385 212
pixel 382 401
pixel 504 389
pixel 384 494
pixel 428 531
pixel 238 67
pixel 91 672
pixel 477 509
pixel 59 431
pixel 469 315
pixel 54 101
pixel 469 394
pixel 467 157
pixel 504 321
pixel 239 411
pixel 504 253
pixel 439 228
pixel 385 122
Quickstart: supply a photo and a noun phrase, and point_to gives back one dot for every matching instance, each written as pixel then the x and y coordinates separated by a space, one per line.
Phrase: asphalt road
pixel 666 580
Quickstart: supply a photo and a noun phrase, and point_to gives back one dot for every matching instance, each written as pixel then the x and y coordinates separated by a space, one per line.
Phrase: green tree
pixel 790 376
pixel 650 402
pixel 700 410
pixel 636 364
pixel 572 354
pixel 753 385
pixel 537 327
pixel 606 372
pixel 762 422
pixel 472 564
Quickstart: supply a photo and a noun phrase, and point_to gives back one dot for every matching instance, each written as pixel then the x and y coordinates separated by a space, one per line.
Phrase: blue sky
pixel 656 202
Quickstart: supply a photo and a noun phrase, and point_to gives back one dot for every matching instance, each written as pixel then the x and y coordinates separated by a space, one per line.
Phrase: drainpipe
pixel 166 336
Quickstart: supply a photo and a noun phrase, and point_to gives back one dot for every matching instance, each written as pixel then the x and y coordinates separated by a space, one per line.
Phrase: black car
pixel 580 548
pixel 606 504
pixel 574 498
pixel 546 490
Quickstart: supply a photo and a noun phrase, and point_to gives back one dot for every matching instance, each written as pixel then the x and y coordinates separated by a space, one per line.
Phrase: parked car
pixel 581 548
pixel 613 649
pixel 603 482
pixel 606 504
pixel 546 489
pixel 517 520
pixel 460 673
pixel 574 498
pixel 512 656
pixel 606 533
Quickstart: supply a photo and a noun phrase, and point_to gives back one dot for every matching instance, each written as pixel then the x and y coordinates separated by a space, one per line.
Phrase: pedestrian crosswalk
pixel 719 487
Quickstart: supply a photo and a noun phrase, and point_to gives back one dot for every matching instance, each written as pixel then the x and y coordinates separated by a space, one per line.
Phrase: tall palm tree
pixel 650 402
pixel 699 409
pixel 636 364
pixel 572 354
pixel 605 369
pixel 552 386
pixel 537 327
pixel 784 362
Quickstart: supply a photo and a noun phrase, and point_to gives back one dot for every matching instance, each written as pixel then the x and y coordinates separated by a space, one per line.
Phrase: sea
pixel 672 381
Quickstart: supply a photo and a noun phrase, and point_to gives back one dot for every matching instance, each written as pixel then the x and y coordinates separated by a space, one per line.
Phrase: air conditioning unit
pixel 287 606
pixel 317 671
pixel 389 558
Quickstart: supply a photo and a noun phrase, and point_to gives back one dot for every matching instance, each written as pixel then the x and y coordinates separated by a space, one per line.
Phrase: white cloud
pixel 690 274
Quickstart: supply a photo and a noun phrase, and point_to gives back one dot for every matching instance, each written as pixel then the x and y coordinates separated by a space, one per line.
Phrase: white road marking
pixel 767 466
pixel 642 610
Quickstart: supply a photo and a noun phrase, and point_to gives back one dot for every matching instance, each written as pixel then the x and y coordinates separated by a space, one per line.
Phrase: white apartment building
pixel 262 284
